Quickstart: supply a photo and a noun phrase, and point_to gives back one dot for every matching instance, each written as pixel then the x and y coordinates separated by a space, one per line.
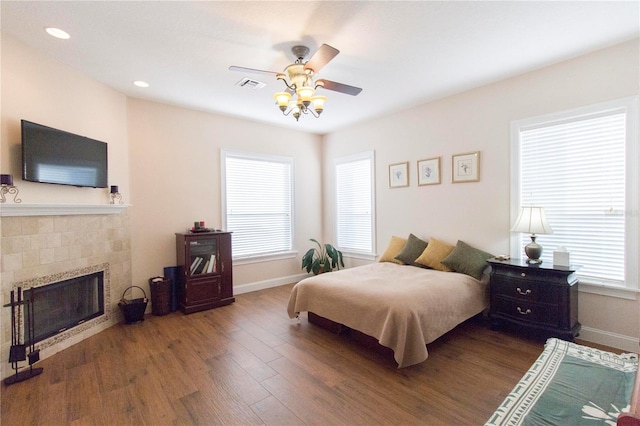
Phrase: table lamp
pixel 532 220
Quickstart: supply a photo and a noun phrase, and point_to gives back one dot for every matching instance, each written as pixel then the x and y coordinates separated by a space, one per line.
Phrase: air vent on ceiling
pixel 251 84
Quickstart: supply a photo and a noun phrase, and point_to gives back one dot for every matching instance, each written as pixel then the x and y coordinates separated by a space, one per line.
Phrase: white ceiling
pixel 401 53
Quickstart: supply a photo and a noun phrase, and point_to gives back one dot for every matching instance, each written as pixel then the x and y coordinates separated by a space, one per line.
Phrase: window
pixel 581 167
pixel 257 203
pixel 355 203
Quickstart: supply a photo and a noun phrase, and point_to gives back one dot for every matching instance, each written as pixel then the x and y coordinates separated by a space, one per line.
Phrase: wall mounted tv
pixel 55 156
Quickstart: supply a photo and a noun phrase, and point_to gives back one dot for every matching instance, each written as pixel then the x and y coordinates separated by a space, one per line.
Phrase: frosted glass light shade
pixel 318 103
pixel 282 98
pixel 305 94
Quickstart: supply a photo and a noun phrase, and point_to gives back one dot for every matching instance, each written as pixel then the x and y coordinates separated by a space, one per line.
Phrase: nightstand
pixel 539 297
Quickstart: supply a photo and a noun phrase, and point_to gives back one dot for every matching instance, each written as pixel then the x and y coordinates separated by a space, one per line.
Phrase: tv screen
pixel 55 156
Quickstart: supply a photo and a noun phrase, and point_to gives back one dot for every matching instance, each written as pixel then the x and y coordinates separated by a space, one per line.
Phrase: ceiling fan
pixel 299 79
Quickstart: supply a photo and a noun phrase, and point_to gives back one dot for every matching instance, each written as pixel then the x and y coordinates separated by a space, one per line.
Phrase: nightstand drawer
pixel 529 290
pixel 538 313
pixel 520 274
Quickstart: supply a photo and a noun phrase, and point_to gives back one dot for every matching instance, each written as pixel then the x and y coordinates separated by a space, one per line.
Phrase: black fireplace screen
pixel 65 304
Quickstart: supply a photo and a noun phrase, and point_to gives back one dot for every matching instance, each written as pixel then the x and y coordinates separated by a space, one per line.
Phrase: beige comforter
pixel 404 307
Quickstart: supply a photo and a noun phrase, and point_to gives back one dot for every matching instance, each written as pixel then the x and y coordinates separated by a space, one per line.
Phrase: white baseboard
pixel 261 285
pixel 607 338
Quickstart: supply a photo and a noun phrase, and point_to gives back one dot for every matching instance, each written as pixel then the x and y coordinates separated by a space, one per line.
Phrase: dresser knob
pixel 521 312
pixel 524 293
pixel 523 274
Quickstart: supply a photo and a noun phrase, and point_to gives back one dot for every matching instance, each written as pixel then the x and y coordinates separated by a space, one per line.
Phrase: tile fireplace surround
pixel 46 243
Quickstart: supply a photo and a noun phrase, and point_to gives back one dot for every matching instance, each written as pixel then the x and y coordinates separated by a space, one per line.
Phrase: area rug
pixel 570 384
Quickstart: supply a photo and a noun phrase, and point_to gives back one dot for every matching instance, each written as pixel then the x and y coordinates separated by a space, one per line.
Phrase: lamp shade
pixel 305 94
pixel 282 98
pixel 318 103
pixel 532 220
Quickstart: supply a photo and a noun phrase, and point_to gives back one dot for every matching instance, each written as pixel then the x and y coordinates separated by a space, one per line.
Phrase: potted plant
pixel 322 259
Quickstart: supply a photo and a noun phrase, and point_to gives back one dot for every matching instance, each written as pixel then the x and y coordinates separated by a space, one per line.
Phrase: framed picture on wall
pixel 399 175
pixel 465 167
pixel 429 171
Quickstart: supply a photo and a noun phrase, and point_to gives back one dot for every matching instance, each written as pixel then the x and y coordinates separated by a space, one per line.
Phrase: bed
pixel 403 307
pixel 570 384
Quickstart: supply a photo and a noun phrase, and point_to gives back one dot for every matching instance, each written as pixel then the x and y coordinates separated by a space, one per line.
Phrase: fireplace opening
pixel 63 305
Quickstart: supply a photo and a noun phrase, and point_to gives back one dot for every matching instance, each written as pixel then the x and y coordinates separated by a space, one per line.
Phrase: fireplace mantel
pixel 59 209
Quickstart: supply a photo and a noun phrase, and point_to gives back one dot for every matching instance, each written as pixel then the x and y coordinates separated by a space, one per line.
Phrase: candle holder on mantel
pixel 115 195
pixel 7 187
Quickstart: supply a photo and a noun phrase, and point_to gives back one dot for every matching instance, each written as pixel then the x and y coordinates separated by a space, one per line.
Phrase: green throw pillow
pixel 467 260
pixel 411 250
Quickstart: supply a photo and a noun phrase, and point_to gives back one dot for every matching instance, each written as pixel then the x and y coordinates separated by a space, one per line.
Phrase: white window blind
pixel 355 203
pixel 258 206
pixel 575 166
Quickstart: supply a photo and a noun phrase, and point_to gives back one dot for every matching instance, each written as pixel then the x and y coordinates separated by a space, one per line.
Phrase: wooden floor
pixel 248 363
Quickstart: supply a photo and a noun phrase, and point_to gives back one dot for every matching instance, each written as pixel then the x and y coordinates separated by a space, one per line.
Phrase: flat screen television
pixel 55 156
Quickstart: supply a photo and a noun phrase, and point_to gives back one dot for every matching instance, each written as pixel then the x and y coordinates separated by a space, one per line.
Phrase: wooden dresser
pixel 539 297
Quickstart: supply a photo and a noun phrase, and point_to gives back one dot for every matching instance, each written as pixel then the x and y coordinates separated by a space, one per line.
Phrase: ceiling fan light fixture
pixel 304 94
pixel 282 98
pixel 318 103
pixel 300 80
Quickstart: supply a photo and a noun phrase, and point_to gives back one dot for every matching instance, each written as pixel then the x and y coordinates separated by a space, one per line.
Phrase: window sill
pixel 264 258
pixel 605 290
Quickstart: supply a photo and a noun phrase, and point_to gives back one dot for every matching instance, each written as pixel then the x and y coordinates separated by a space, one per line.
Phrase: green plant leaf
pixel 316 266
pixel 307 259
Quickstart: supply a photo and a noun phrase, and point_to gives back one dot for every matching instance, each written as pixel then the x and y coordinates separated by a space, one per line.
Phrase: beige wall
pixel 175 164
pixel 46 92
pixel 166 161
pixel 479 120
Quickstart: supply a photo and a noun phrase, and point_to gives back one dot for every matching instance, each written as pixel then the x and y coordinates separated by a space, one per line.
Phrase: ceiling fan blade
pixel 321 58
pixel 252 70
pixel 339 87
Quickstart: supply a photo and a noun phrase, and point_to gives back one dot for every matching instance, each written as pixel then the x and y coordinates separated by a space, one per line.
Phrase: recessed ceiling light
pixel 141 83
pixel 57 33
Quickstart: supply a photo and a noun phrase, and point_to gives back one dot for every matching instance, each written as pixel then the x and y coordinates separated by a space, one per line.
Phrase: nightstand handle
pixel 522 274
pixel 527 312
pixel 524 293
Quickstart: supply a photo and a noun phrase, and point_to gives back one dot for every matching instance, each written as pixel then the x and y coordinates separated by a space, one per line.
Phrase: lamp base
pixel 533 251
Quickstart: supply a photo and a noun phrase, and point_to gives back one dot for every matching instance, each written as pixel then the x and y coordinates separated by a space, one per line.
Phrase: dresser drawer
pixel 535 313
pixel 526 290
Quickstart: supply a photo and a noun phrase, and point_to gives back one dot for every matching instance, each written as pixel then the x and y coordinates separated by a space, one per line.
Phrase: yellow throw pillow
pixel 393 249
pixel 435 252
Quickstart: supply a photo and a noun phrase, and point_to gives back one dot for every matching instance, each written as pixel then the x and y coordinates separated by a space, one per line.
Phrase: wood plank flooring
pixel 248 363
